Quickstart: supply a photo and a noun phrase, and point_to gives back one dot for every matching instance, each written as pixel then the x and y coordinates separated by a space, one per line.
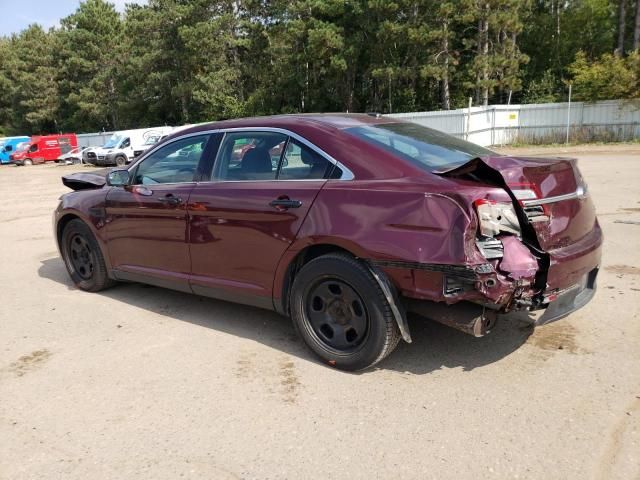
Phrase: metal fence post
pixel 493 123
pixel 466 137
pixel 568 115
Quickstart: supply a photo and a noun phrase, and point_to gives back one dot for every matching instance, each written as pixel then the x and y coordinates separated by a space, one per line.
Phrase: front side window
pixel 427 148
pixel 302 163
pixel 249 156
pixel 34 148
pixel 176 162
pixel 125 143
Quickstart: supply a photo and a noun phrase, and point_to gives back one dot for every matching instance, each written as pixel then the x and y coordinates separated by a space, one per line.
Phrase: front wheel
pixel 27 161
pixel 83 257
pixel 121 161
pixel 341 312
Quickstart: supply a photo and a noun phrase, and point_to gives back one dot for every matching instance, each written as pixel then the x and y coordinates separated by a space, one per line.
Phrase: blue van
pixel 8 146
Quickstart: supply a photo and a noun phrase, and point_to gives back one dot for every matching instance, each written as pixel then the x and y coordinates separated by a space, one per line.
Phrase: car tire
pixel 341 313
pixel 83 258
pixel 121 161
pixel 27 161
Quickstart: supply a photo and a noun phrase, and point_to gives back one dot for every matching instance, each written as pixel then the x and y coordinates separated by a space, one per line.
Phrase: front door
pixel 244 219
pixel 147 220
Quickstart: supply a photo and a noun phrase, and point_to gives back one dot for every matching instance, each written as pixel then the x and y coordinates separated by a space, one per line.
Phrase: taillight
pixel 495 217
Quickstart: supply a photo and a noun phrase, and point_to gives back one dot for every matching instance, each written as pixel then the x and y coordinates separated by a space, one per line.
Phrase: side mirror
pixel 118 178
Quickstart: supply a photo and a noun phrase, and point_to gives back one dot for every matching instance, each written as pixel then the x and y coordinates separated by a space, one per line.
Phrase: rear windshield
pixel 422 146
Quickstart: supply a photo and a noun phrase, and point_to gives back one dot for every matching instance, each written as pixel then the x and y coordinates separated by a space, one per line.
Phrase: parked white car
pixel 73 156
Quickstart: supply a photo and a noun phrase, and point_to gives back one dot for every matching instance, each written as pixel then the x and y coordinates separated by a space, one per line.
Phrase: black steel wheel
pixel 337 315
pixel 83 258
pixel 341 313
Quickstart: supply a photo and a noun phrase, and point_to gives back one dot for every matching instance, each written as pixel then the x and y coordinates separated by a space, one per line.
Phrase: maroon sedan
pixel 361 220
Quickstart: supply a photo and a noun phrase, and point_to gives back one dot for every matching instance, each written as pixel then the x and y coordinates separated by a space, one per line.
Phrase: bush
pixel 609 77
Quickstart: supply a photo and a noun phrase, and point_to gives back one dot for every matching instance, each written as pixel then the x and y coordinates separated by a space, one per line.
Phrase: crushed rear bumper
pixel 570 299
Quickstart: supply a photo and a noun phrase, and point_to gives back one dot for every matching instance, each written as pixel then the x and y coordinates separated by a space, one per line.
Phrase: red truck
pixel 45 148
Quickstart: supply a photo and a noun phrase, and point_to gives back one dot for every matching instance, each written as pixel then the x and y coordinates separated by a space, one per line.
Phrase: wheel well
pixel 302 258
pixel 63 223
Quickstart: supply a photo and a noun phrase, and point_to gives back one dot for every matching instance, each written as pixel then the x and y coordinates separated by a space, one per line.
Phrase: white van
pixel 124 146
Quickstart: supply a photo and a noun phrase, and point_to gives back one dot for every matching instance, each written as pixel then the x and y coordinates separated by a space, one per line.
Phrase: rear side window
pixel 249 156
pixel 259 155
pixel 427 148
pixel 302 163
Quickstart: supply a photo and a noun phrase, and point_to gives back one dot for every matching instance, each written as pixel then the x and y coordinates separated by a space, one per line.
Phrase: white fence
pixel 93 139
pixel 611 120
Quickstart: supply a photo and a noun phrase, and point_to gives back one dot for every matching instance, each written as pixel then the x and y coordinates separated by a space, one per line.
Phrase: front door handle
pixel 140 190
pixel 285 203
pixel 170 199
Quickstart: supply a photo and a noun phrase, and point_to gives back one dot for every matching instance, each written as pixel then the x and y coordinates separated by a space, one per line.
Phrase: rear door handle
pixel 284 203
pixel 170 199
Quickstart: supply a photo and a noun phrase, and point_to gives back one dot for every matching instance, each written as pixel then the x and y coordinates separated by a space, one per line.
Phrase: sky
pixel 15 15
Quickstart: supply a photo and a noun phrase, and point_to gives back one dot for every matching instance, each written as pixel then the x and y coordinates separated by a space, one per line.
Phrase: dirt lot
pixel 139 382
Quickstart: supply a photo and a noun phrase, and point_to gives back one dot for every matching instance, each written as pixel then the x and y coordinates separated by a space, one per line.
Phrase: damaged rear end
pixel 539 243
pixel 86 181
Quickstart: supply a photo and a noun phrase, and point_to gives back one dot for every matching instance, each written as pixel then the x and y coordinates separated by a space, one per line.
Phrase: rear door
pixel 65 145
pixel 147 220
pixel 242 221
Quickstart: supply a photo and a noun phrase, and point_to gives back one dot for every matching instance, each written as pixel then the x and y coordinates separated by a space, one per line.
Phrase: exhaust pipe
pixel 467 317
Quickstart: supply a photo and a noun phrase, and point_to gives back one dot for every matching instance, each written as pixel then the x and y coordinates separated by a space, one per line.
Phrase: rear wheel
pixel 83 257
pixel 121 160
pixel 27 161
pixel 342 314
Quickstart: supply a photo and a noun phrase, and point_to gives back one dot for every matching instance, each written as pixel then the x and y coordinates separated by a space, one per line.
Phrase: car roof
pixel 326 132
pixel 332 120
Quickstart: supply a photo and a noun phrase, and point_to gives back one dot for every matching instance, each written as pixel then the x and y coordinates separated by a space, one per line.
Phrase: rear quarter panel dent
pixel 391 225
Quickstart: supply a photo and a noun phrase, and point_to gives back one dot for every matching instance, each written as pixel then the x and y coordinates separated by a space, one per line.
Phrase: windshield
pixel 113 142
pixel 425 147
pixel 22 146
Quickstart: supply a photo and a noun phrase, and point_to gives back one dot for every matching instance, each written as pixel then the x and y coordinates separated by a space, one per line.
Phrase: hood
pixel 101 150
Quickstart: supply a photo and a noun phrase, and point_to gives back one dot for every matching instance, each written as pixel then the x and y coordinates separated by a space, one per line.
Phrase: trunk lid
pixel 86 181
pixel 551 192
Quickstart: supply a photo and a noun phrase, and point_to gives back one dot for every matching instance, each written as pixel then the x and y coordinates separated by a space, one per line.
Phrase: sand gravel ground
pixel 140 382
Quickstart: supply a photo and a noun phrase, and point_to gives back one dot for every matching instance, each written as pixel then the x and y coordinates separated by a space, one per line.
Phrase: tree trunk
pixel 444 89
pixel 485 60
pixel 636 31
pixel 622 17
pixel 479 55
pixel 184 109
